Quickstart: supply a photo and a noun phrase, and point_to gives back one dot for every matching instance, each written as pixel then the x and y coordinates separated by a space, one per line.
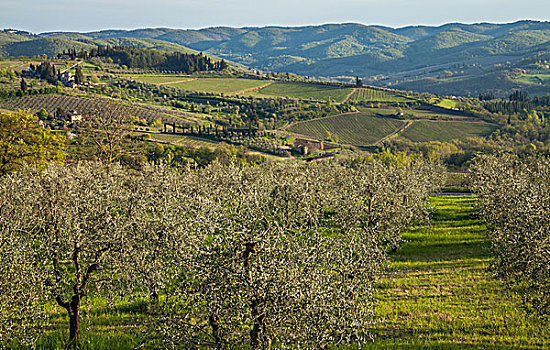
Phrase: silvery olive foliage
pixel 21 290
pixel 515 203
pixel 78 219
pixel 278 255
pixel 289 252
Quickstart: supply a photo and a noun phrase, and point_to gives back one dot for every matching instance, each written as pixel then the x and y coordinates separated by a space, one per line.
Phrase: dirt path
pixel 349 95
pixel 177 81
pixel 242 92
pixel 401 129
pixel 71 67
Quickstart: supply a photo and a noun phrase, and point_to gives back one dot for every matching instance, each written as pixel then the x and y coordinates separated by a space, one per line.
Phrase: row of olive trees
pixel 274 255
pixel 515 203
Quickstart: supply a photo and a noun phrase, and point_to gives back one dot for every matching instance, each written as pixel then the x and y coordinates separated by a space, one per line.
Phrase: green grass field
pixel 304 91
pixel 160 79
pixel 373 95
pixel 444 103
pixel 182 140
pixel 537 79
pixel 440 295
pixel 220 85
pixel 356 129
pixel 9 64
pixel 428 130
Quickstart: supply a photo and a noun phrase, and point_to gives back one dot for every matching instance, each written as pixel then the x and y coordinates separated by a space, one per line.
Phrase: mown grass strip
pixel 440 294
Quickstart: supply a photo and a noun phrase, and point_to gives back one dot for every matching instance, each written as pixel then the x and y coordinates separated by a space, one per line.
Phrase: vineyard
pixel 84 105
pixel 374 95
pixel 428 130
pixel 353 128
pixel 305 91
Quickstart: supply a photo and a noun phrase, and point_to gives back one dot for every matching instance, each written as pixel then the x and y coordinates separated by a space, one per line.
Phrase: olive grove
pixel 515 203
pixel 277 255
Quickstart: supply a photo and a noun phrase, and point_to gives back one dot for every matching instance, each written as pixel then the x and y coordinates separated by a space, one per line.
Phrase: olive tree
pixel 78 219
pixel 164 213
pixel 288 253
pixel 21 285
pixel 515 202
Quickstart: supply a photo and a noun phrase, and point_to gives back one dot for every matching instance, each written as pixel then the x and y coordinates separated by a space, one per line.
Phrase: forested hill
pixel 445 59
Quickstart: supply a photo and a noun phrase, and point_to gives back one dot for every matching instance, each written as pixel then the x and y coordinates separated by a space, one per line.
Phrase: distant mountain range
pixel 464 59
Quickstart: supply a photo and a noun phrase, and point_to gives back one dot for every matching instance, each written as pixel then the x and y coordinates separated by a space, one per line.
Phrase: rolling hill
pixel 441 59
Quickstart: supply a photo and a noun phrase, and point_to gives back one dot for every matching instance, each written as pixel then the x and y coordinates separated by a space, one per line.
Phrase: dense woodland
pixel 135 57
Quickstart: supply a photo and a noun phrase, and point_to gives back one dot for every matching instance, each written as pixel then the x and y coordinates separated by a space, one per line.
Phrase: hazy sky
pixel 88 15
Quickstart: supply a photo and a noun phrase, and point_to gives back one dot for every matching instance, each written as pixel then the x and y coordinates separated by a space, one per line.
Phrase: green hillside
pixel 457 59
pixel 37 47
pixel 219 85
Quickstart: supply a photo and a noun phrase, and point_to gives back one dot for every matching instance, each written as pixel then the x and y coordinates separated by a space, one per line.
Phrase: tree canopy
pixel 23 141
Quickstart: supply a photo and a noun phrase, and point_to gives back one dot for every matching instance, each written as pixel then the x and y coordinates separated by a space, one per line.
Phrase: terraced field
pixel 219 85
pixel 305 91
pixel 373 95
pixel 356 128
pixel 429 130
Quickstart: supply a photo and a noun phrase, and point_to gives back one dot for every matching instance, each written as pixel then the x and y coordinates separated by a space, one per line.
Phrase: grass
pixel 304 91
pixel 439 293
pixel 220 85
pixel 537 79
pixel 444 103
pixel 181 140
pixel 428 130
pixel 356 129
pixel 160 79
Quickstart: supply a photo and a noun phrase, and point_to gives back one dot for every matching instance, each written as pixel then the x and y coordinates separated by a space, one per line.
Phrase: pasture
pixel 534 79
pixel 220 85
pixel 183 140
pixel 160 79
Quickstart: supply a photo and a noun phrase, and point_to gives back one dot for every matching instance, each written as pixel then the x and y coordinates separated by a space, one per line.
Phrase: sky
pixel 89 15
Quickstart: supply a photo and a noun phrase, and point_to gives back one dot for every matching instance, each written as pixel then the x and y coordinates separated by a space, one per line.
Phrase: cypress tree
pixel 24 87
